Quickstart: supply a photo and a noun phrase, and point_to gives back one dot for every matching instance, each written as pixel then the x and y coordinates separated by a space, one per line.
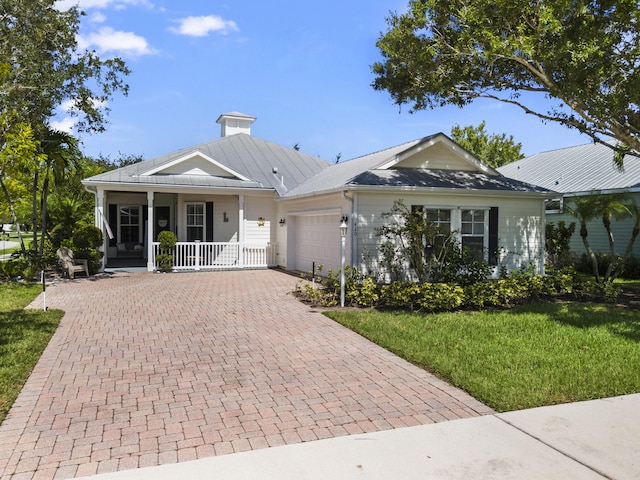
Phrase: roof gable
pixel 438 152
pixel 431 162
pixel 195 163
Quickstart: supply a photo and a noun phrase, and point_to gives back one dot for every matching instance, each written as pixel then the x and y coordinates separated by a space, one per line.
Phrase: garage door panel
pixel 317 239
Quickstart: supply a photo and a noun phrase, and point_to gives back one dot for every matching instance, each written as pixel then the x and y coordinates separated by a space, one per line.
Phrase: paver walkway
pixel 149 369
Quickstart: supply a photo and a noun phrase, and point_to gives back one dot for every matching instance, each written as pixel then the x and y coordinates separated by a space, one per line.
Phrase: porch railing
pixel 219 255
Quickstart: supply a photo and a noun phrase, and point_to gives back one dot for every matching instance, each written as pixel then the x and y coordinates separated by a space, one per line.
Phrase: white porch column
pixel 99 222
pixel 240 230
pixel 150 225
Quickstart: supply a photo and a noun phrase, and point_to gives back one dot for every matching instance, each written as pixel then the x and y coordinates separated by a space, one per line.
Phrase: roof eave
pixel 416 189
pixel 147 187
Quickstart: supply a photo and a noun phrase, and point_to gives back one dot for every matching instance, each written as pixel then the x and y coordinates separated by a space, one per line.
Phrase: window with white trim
pixel 130 223
pixel 195 222
pixel 476 229
pixel 439 217
pixel 474 232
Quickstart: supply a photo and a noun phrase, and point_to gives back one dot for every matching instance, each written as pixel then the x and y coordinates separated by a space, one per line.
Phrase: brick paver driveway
pixel 148 369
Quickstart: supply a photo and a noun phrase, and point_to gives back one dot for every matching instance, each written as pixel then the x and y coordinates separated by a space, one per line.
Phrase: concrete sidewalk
pixel 587 440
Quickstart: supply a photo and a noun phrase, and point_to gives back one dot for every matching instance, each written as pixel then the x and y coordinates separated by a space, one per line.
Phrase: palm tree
pixel 60 150
pixel 607 207
pixel 634 211
pixel 585 209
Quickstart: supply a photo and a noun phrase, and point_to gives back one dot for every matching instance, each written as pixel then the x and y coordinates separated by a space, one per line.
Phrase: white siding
pixel 255 232
pixel 437 156
pixel 225 208
pixel 520 225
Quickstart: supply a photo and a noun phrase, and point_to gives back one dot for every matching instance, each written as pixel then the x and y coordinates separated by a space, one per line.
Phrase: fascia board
pixel 430 190
pixel 142 188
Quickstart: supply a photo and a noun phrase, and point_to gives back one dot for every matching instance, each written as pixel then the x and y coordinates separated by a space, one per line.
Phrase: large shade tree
pixel 584 55
pixel 41 69
pixel 495 150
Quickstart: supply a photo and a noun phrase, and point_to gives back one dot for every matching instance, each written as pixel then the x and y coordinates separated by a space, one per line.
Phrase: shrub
pixel 509 290
pixel 400 294
pixel 556 245
pixel 591 290
pixel 438 297
pixel 165 260
pixel 85 243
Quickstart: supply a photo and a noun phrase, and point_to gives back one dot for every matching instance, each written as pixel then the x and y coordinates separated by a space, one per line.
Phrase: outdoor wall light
pixel 343 227
pixel 282 222
pixel 261 221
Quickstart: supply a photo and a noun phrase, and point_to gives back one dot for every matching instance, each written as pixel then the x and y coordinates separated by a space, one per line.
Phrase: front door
pixel 161 220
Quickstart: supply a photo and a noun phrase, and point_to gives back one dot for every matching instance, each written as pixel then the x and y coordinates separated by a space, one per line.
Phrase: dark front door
pixel 162 220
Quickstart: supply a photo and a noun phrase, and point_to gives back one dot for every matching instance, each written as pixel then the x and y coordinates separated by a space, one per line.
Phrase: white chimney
pixel 235 122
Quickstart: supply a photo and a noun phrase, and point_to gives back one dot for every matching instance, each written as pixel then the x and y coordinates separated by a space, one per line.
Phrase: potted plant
pixel 164 260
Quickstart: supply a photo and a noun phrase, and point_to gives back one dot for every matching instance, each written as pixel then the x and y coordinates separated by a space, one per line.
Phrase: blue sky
pixel 302 68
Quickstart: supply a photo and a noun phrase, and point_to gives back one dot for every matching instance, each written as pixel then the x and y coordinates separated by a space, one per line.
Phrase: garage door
pixel 317 239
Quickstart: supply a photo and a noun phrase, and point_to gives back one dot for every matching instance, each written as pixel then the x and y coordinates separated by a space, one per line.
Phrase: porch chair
pixel 71 265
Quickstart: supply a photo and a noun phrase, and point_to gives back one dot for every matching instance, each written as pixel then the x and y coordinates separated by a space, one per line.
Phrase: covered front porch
pixel 215 231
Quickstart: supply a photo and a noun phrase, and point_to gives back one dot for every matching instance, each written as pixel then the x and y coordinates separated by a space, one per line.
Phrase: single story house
pixel 578 171
pixel 243 202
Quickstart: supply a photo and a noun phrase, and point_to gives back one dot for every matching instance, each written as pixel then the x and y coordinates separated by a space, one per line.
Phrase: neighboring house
pixel 243 202
pixel 577 171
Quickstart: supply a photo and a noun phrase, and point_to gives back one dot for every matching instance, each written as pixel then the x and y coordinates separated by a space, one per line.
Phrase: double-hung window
pixel 441 219
pixel 130 223
pixel 474 232
pixel 195 222
pixel 476 229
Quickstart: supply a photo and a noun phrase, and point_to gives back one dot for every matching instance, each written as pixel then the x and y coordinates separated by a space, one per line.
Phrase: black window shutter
pixel 208 221
pixel 113 223
pixel 493 236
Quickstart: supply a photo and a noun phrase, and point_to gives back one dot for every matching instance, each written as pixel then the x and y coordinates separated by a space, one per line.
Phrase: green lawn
pixel 24 334
pixel 525 357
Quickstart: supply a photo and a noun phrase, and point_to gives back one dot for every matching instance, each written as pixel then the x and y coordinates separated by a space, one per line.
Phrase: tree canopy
pixel 583 54
pixel 41 67
pixel 493 149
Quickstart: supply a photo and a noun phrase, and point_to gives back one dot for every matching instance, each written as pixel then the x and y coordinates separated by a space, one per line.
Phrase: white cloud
pixel 109 40
pixel 65 125
pixel 202 26
pixel 97 17
pixel 87 4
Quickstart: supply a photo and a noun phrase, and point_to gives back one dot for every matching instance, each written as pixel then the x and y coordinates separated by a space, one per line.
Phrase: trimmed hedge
pixel 437 297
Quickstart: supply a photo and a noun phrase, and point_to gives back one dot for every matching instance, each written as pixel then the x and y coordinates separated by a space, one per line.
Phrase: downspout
pixel 352 231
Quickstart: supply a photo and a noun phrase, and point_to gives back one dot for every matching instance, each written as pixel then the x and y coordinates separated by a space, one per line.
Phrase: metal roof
pixel 339 174
pixel 365 171
pixel 266 165
pixel 582 168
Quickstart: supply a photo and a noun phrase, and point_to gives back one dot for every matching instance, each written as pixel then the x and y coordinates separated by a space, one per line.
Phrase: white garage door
pixel 317 239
